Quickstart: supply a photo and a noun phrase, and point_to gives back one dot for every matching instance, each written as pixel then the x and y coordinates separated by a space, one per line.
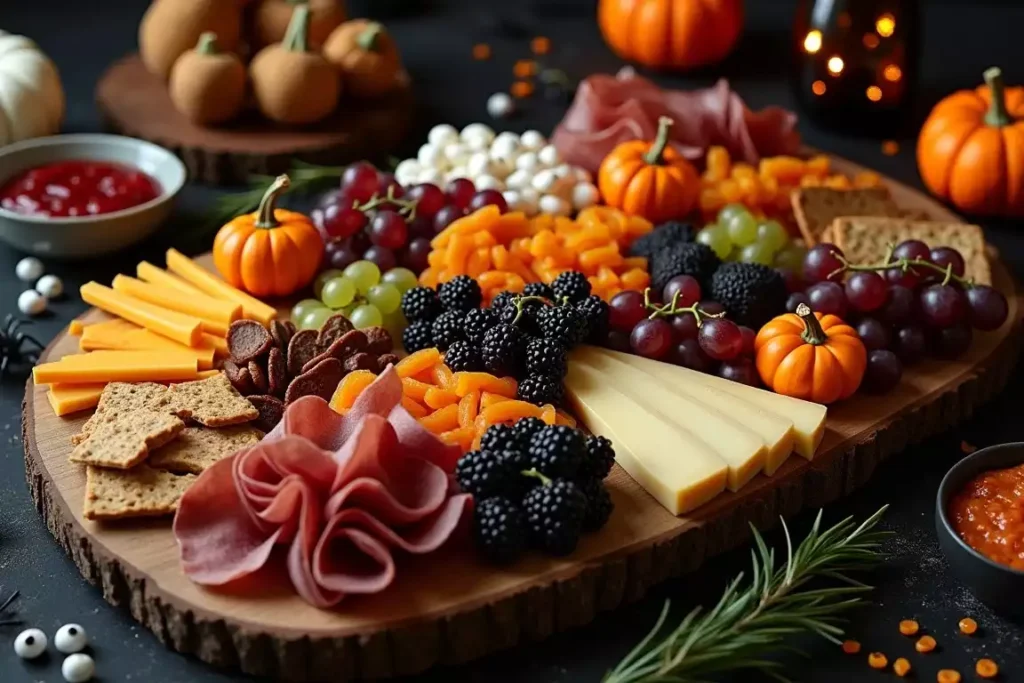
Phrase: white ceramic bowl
pixel 87 236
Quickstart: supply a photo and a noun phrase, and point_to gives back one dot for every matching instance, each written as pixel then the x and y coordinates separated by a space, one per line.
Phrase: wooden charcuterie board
pixel 450 607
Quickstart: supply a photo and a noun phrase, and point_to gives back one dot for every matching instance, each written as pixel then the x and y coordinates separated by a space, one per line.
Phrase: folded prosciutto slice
pixel 341 493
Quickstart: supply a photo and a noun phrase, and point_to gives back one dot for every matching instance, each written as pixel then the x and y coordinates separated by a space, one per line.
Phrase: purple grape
pixel 382 256
pixel 987 307
pixel 740 370
pixel 688 354
pixel 910 343
pixel 651 338
pixel 900 307
pixel 711 307
pixel 795 299
pixel 684 326
pixel 618 341
pixel 942 305
pixel 945 256
pixel 686 286
pixel 339 254
pixel 883 372
pixel 827 297
pixel 415 258
pixel 952 342
pixel 874 334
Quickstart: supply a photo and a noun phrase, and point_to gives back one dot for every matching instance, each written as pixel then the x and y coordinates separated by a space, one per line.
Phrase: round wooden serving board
pixel 135 102
pixel 450 607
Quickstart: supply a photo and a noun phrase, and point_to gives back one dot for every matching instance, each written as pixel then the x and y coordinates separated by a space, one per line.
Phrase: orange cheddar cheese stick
pixel 200 306
pixel 171 324
pixel 441 421
pixel 72 398
pixel 118 366
pixel 219 344
pixel 147 272
pixel 203 279
pixel 143 340
pixel 115 326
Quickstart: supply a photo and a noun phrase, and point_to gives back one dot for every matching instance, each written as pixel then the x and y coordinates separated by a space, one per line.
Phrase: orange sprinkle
pixel 901 667
pixel 968 626
pixel 540 45
pixel 925 644
pixel 909 627
pixel 851 647
pixel 522 89
pixel 876 660
pixel 986 668
pixel 481 52
pixel 948 676
pixel 890 148
pixel 524 68
pixel 967 448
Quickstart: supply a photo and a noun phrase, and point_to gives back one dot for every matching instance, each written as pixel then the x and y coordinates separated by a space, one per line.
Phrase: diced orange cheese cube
pixel 147 272
pixel 171 324
pixel 118 366
pixel 203 279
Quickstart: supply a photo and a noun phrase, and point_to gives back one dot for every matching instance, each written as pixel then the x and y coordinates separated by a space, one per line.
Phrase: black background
pixel 960 40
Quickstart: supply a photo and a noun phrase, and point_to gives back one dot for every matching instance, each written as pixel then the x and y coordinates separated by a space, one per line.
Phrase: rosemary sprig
pixel 749 624
pixel 305 179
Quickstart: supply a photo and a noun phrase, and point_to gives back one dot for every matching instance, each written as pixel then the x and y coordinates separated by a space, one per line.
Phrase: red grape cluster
pixel 372 217
pixel 685 331
pixel 916 303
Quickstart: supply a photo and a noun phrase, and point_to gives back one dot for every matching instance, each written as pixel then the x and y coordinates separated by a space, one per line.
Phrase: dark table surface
pixel 961 39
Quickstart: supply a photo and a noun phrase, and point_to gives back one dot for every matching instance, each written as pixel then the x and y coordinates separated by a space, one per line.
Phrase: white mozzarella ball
pixel 549 156
pixel 430 175
pixel 584 195
pixel 505 145
pixel 563 171
pixel 488 182
pixel 582 175
pixel 479 164
pixel 31 302
pixel 407 171
pixel 442 134
pixel 513 200
pixel 532 140
pixel 78 668
pixel 29 269
pixel 544 181
pixel 528 198
pixel 456 172
pixel 553 205
pixel 517 180
pixel 528 162
pixel 500 105
pixel 456 153
pixel 430 156
pixel 477 144
pixel 70 638
pixel 500 169
pixel 479 131
pixel 50 286
pixel 30 643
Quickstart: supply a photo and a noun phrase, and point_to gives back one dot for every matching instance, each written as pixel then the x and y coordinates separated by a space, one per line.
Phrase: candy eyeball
pixel 70 638
pixel 500 105
pixel 29 269
pixel 527 162
pixel 78 668
pixel 431 156
pixel 30 643
pixel 584 195
pixel 50 286
pixel 532 140
pixel 477 131
pixel 31 302
pixel 549 156
pixel 442 134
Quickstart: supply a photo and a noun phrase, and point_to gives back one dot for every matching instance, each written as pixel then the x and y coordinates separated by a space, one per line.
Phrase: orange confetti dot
pixel 522 89
pixel 948 676
pixel 967 447
pixel 481 52
pixel 925 644
pixel 877 660
pixel 540 45
pixel 890 148
pixel 968 626
pixel 524 68
pixel 909 627
pixel 851 647
pixel 986 668
pixel 901 667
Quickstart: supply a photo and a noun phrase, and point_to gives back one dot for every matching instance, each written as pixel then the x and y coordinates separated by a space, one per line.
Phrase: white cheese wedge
pixel 808 418
pixel 730 414
pixel 675 466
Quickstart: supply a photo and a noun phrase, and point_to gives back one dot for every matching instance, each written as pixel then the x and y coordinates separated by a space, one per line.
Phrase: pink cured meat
pixel 609 110
pixel 343 493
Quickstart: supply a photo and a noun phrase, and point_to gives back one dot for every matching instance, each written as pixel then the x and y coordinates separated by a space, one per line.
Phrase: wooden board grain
pixel 450 607
pixel 135 102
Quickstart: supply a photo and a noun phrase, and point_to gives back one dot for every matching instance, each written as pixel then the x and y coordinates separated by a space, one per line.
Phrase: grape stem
pixel 904 264
pixel 673 308
pixel 813 333
pixel 533 472
pixel 406 207
pixel 521 302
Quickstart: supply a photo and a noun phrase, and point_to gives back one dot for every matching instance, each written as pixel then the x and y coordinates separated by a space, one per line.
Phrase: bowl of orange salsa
pixel 979 518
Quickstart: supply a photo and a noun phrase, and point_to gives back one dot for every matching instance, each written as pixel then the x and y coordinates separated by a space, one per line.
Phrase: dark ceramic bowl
pixel 999 586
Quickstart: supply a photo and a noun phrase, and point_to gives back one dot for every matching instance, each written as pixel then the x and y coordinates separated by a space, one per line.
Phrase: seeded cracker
pixel 198 448
pixel 122 397
pixel 212 402
pixel 816 207
pixel 139 492
pixel 122 440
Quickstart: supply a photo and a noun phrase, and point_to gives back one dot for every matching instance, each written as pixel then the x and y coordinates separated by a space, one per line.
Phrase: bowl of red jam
pixel 979 519
pixel 78 196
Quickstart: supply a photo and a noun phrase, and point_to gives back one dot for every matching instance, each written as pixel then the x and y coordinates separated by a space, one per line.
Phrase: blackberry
pixel 545 357
pixel 525 315
pixel 572 285
pixel 599 504
pixel 477 322
pixel 564 324
pixel 499 530
pixel 421 303
pixel 693 259
pixel 540 390
pixel 526 428
pixel 488 473
pixel 598 459
pixel 462 356
pixel 664 235
pixel 557 451
pixel 594 310
pixel 461 293
pixel 554 515
pixel 502 300
pixel 502 350
pixel 417 336
pixel 447 329
pixel 538 289
pixel 502 437
pixel 751 293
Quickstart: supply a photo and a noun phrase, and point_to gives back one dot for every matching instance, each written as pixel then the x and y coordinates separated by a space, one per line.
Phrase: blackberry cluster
pixel 694 259
pixel 571 285
pixel 752 293
pixel 663 236
pixel 538 289
pixel 418 335
pixel 421 304
pixel 461 293
pixel 462 356
pixel 477 322
pixel 536 486
pixel 448 328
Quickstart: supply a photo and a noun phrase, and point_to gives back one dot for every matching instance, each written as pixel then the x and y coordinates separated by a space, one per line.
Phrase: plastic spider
pixel 11 341
pixel 3 606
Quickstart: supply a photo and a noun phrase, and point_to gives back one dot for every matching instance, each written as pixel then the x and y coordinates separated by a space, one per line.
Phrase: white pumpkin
pixel 31 94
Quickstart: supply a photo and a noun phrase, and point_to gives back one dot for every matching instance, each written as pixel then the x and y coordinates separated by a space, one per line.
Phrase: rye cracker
pixel 816 207
pixel 122 397
pixel 122 440
pixel 139 492
pixel 197 448
pixel 212 402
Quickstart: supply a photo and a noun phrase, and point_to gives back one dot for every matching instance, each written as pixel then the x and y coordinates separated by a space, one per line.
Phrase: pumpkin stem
pixel 296 38
pixel 265 217
pixel 997 114
pixel 207 44
pixel 368 38
pixel 653 156
pixel 813 334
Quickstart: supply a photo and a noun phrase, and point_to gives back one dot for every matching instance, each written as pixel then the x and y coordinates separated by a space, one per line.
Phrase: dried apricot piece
pixel 877 660
pixel 510 411
pixel 414 389
pixel 469 408
pixel 548 414
pixel 461 437
pixel 437 398
pixel 968 626
pixel 466 382
pixel 443 376
pixel 414 363
pixel 901 667
pixel 488 399
pixel 443 420
pixel 564 419
pixel 349 389
pixel 414 408
pixel 948 676
pixel 851 647
pixel 986 668
pixel 909 627
pixel 925 644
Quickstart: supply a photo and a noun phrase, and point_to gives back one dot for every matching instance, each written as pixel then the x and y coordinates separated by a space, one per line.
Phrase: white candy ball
pixel 505 148
pixel 50 286
pixel 456 172
pixel 31 302
pixel 29 269
pixel 30 643
pixel 584 195
pixel 479 164
pixel 517 180
pixel 532 140
pixel 477 130
pixel 528 199
pixel 70 638
pixel 78 668
pixel 513 200
pixel 430 175
pixel 500 168
pixel 553 205
pixel 431 156
pixel 407 171
pixel 563 171
pixel 441 134
pixel 582 175
pixel 488 182
pixel 544 181
pixel 527 162
pixel 500 105
pixel 549 156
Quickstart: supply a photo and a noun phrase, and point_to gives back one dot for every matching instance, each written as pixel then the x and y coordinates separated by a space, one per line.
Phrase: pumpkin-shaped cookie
pixel 170 28
pixel 272 18
pixel 366 55
pixel 207 85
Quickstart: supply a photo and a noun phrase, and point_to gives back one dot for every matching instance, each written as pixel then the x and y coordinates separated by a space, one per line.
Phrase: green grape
pixel 338 292
pixel 395 323
pixel 321 280
pixel 727 212
pixel 364 274
pixel 402 278
pixel 757 252
pixel 314 320
pixel 366 315
pixel 716 238
pixel 772 235
pixel 733 255
pixel 742 229
pixel 791 258
pixel 385 297
pixel 300 309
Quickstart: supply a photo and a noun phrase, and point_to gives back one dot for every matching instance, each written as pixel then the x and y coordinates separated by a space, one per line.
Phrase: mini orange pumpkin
pixel 970 151
pixel 810 356
pixel 649 179
pixel 671 34
pixel 272 252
